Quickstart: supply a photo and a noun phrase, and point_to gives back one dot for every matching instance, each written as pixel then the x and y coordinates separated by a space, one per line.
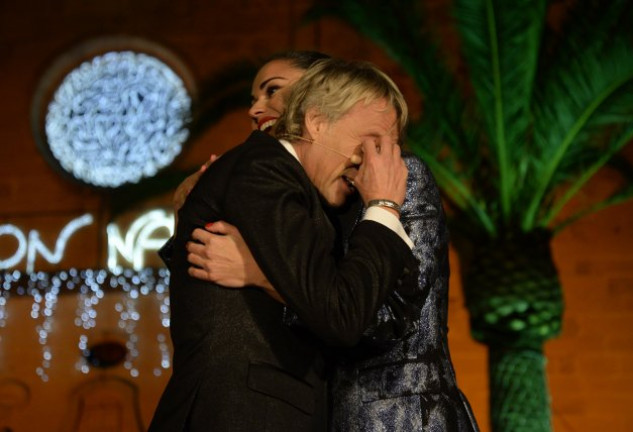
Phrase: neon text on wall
pixel 128 249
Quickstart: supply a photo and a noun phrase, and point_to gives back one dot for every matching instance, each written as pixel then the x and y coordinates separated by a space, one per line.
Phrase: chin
pixel 336 201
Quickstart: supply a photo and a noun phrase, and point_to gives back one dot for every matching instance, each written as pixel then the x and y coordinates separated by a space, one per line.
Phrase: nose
pixel 256 110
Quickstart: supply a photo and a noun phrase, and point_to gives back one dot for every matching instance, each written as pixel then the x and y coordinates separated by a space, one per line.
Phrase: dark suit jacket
pixel 236 366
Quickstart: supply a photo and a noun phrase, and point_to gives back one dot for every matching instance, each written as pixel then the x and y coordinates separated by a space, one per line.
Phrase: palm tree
pixel 539 111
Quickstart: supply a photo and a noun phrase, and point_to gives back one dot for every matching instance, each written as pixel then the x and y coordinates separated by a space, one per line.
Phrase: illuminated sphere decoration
pixel 115 118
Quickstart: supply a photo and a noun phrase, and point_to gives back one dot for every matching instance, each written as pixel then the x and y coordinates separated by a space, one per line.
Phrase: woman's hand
pixel 219 254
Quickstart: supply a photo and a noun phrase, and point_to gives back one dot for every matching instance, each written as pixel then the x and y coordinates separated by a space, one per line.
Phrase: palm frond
pixel 552 104
pixel 501 43
pixel 615 145
pixel 590 92
pixel 451 178
pixel 588 22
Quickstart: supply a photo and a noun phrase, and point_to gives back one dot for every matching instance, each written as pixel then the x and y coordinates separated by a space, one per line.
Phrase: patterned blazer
pixel 401 377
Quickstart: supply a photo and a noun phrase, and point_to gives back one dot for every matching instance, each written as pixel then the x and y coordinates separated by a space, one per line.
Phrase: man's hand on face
pixel 382 174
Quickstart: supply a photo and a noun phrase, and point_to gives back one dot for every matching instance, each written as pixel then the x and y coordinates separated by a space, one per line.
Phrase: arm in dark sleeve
pixel 423 219
pixel 281 219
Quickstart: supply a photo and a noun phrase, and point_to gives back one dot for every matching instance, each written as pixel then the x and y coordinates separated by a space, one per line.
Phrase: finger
pixel 201 235
pixel 369 150
pixel 397 150
pixel 228 229
pixel 195 248
pixel 218 227
pixel 195 260
pixel 200 274
pixel 208 163
pixel 386 145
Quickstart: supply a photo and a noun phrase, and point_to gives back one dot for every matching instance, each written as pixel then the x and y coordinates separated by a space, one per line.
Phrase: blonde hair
pixel 333 87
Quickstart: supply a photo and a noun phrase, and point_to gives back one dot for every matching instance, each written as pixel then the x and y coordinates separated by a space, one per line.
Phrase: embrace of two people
pixel 317 298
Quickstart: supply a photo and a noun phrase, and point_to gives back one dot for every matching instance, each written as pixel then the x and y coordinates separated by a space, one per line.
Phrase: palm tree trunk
pixel 519 397
pixel 514 298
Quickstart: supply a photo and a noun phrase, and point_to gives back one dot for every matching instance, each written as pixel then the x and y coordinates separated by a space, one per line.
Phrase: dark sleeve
pixel 423 219
pixel 279 215
pixel 166 252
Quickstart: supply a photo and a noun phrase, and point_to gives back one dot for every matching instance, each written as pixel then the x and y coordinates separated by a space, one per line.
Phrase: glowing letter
pixel 36 245
pixel 137 239
pixel 19 254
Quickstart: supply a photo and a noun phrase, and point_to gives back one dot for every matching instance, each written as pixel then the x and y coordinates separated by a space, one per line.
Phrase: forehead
pixel 375 118
pixel 282 70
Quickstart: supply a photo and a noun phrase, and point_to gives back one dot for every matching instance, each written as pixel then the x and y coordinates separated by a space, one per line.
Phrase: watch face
pixel 115 117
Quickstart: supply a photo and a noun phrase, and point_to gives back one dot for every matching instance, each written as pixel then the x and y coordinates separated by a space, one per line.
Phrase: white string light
pixel 163 302
pixel 90 287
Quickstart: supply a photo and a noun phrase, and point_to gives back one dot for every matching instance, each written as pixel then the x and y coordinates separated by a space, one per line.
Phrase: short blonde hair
pixel 333 87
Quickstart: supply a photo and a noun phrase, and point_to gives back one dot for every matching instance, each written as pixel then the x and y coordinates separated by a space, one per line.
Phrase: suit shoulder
pixel 260 147
pixel 263 162
pixel 258 152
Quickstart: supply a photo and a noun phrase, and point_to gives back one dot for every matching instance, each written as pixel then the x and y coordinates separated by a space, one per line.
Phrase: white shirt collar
pixel 290 148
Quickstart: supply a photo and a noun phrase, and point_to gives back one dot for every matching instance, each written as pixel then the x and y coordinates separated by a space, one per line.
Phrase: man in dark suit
pixel 236 366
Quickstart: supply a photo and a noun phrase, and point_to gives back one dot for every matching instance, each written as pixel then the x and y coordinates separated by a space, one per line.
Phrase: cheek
pixel 278 102
pixel 276 105
pixel 324 175
pixel 334 171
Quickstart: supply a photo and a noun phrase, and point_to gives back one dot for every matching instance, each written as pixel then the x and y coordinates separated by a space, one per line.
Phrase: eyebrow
pixel 263 84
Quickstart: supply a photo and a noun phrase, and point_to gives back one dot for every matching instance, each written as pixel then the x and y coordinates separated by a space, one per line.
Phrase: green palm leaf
pixel 501 41
pixel 591 92
pixel 620 195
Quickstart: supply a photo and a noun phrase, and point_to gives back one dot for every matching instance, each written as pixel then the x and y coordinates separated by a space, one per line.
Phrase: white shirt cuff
pixel 388 219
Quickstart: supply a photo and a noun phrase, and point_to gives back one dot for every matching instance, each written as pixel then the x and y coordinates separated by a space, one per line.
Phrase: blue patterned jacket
pixel 403 378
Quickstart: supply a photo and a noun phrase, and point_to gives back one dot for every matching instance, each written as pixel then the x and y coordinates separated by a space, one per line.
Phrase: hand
pixel 382 173
pixel 219 254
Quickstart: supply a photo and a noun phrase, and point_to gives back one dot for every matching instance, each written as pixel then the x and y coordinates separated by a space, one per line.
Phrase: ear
pixel 314 123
